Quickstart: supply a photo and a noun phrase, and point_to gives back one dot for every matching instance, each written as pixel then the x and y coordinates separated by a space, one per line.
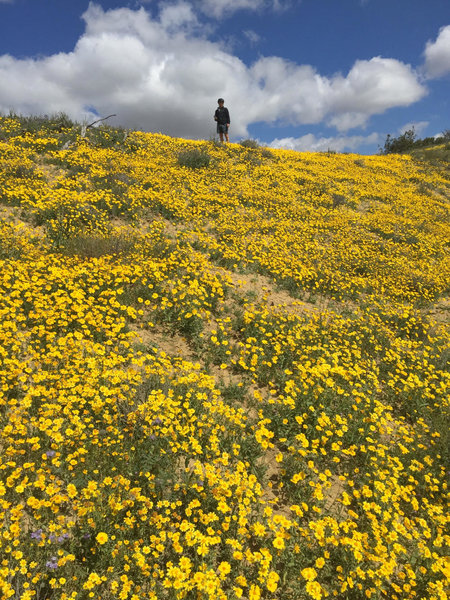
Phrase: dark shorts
pixel 222 128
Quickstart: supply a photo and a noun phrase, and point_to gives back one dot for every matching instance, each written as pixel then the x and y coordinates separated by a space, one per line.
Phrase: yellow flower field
pixel 220 382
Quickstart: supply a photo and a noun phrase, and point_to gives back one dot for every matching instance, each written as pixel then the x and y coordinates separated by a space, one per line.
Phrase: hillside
pixel 221 381
pixel 437 155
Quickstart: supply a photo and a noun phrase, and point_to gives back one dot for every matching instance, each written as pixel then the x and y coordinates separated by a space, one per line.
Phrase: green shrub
pixel 266 153
pixel 338 200
pixel 249 143
pixel 194 159
pixel 402 143
pixel 408 142
pixel 105 136
pixel 252 158
pixel 18 171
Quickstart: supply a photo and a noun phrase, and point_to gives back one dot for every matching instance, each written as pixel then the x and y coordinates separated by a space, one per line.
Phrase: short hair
pixel 220 100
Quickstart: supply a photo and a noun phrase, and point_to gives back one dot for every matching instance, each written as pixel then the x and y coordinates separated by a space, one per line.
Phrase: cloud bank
pixel 162 74
pixel 437 55
pixel 311 143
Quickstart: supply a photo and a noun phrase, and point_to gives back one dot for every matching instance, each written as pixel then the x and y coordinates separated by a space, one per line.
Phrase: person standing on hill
pixel 222 117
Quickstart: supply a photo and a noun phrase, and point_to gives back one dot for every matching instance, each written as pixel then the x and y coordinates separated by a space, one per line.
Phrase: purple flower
pixel 37 535
pixel 59 538
pixel 50 453
pixel 157 421
pixel 52 563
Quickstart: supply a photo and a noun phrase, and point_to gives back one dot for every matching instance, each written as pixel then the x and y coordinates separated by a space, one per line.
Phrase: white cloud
pixel 162 74
pixel 219 8
pixel 174 17
pixel 418 126
pixel 252 36
pixel 300 95
pixel 310 143
pixel 372 87
pixel 437 54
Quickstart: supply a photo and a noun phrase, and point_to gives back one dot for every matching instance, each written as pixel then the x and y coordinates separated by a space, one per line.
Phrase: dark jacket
pixel 222 116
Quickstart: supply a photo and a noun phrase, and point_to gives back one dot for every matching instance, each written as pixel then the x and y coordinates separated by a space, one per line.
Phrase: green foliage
pixel 338 200
pixel 94 245
pixel 67 220
pixel 44 123
pixel 266 153
pixel 436 155
pixel 249 143
pixel 194 159
pixel 215 141
pixel 402 143
pixel 252 158
pixel 106 136
pixel 11 245
pixel 18 171
pixel 65 132
pixel 408 141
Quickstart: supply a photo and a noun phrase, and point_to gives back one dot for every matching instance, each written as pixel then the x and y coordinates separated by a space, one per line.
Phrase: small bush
pixel 266 153
pixel 194 159
pixel 105 136
pixel 19 171
pixel 249 143
pixel 338 200
pixel 252 158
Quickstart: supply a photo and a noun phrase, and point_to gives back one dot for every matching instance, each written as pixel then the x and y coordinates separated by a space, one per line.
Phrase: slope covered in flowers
pixel 221 382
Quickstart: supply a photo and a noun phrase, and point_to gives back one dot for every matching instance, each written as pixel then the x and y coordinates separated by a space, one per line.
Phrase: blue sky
pixel 301 74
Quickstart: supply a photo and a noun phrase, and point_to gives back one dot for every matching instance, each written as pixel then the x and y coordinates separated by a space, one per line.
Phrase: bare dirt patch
pixel 170 343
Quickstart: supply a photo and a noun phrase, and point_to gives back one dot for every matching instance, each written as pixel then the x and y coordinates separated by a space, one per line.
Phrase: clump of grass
pixel 194 159
pixel 95 245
